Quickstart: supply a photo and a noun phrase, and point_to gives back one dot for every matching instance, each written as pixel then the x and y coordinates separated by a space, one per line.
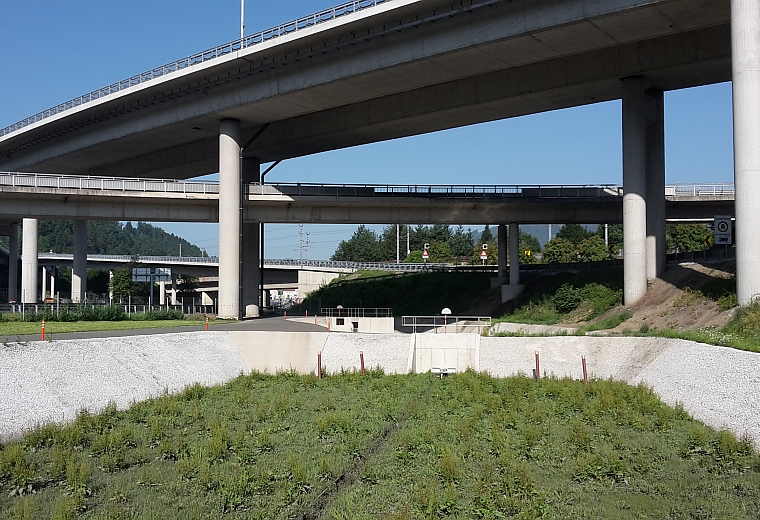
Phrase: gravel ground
pixel 52 381
pixel 716 385
pixel 390 351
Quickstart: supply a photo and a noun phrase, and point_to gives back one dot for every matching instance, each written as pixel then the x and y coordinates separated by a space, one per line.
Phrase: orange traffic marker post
pixel 286 315
pixel 361 359
pixel 207 323
pixel 43 330
pixel 538 369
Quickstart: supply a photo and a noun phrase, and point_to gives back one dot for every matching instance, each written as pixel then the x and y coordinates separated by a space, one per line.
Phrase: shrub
pixel 559 251
pixel 567 298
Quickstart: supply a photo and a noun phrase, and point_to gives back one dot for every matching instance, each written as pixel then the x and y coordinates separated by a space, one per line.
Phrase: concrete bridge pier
pixel 655 180
pixel 230 219
pixel 13 262
pixel 634 191
pixel 514 254
pixel 29 264
pixel 174 289
pixel 251 243
pixel 745 57
pixel 79 267
pixel 503 249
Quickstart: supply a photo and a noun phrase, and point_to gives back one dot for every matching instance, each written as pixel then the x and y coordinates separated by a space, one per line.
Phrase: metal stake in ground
pixel 585 373
pixel 319 365
pixel 361 359
pixel 538 368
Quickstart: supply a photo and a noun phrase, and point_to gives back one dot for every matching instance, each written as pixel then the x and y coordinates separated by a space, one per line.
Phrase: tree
pixel 121 283
pixel 486 235
pixel 593 249
pixel 685 238
pixel 614 237
pixel 461 242
pixel 529 242
pixel 559 251
pixel 439 252
pixel 574 233
pixel 363 246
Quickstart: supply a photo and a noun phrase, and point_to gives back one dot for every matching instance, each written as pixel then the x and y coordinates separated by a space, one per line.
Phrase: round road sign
pixel 723 226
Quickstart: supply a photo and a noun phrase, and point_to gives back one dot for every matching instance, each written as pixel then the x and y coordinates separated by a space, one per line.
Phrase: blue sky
pixel 53 51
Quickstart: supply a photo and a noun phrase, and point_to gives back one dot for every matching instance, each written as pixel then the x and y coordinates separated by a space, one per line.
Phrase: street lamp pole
pixel 242 19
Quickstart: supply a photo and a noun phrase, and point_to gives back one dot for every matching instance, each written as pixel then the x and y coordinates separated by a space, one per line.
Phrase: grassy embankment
pixel 84 319
pixel 402 447
pixel 417 294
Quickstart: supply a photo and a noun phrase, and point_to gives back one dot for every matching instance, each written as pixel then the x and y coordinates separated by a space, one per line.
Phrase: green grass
pixel 395 447
pixel 406 293
pixel 8 329
pixel 609 322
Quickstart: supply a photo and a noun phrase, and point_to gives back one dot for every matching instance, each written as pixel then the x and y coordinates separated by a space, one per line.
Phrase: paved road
pixel 269 324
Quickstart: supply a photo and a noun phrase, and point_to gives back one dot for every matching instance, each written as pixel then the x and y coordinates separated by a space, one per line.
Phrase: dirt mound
pixel 675 300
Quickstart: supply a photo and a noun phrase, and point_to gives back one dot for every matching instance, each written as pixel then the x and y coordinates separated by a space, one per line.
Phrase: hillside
pixel 111 238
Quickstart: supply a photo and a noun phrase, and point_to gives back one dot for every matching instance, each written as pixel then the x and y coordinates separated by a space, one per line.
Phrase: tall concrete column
pixel 52 282
pixel 162 292
pixel 503 248
pixel 655 181
pixel 13 264
pixel 79 269
pixel 251 244
pixel 745 57
pixel 634 192
pixel 514 254
pixel 44 283
pixel 174 289
pixel 110 286
pixel 230 219
pixel 29 265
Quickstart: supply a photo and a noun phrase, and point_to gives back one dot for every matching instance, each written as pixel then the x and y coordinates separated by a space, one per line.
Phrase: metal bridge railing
pixel 344 9
pixel 717 189
pixel 71 182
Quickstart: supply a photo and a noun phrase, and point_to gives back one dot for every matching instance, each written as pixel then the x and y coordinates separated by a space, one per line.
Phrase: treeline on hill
pixel 114 238
pixel 445 245
pixel 572 243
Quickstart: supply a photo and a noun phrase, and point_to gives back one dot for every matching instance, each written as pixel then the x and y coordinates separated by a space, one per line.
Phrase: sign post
pixel 484 254
pixel 425 254
pixel 722 229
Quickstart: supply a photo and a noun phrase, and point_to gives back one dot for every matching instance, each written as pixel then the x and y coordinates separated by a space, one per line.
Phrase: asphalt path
pixel 274 323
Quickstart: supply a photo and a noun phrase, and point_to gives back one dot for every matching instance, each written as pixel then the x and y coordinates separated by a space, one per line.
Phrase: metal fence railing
pixel 339 11
pixel 717 189
pixel 356 312
pixel 72 182
pixel 442 324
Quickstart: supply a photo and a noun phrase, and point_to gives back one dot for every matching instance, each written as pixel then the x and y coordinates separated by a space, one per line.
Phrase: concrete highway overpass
pixel 374 70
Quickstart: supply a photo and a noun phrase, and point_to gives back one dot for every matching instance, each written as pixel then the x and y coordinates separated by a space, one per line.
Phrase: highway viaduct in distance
pixel 374 70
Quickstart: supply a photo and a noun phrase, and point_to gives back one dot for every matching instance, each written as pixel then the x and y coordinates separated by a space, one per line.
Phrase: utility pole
pixel 308 241
pixel 408 251
pixel 398 243
pixel 242 19
pixel 180 250
pixel 300 244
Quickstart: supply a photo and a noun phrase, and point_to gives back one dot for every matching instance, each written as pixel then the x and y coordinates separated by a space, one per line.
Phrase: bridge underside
pixel 412 69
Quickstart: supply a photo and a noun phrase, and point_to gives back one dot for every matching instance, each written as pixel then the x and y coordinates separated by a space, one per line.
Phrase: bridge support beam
pixel 230 219
pixel 44 283
pixel 13 263
pixel 79 266
pixel 503 252
pixel 251 244
pixel 29 265
pixel 655 179
pixel 634 191
pixel 514 254
pixel 745 57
